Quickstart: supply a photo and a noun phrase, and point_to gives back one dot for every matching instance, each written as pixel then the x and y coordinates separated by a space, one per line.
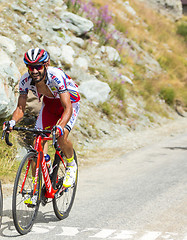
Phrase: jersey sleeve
pixel 23 85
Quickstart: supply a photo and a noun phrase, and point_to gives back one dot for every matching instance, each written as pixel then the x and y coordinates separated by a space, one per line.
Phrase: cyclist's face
pixel 36 71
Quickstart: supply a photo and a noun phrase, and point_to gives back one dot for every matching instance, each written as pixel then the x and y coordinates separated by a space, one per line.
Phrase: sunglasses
pixel 37 67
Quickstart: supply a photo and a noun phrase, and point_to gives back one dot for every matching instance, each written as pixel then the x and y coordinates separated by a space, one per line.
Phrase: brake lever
pixel 3 134
pixel 6 134
pixel 5 128
pixel 53 134
pixel 55 144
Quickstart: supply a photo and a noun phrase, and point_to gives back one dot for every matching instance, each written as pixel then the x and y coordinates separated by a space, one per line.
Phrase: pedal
pixel 44 201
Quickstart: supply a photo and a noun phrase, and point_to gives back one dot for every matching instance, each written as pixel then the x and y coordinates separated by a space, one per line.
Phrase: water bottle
pixel 49 163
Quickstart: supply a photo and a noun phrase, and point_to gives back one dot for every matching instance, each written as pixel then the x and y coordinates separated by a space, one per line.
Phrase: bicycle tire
pixel 23 214
pixel 1 203
pixel 63 202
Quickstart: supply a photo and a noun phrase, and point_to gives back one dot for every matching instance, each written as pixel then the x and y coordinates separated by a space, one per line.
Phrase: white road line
pixel 40 229
pixel 98 233
pixel 124 234
pixel 68 231
pixel 104 233
pixel 107 233
pixel 117 234
pixel 150 236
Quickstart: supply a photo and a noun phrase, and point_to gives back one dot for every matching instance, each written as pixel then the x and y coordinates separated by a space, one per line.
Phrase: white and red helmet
pixel 35 55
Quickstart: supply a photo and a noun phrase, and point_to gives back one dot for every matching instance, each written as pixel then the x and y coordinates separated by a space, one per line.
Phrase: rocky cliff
pixel 98 68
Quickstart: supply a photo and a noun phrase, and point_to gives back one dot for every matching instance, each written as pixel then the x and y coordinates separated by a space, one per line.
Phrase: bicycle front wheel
pixel 1 203
pixel 63 201
pixel 23 212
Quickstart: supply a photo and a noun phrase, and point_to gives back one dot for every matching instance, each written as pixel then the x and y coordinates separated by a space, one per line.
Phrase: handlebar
pixel 33 130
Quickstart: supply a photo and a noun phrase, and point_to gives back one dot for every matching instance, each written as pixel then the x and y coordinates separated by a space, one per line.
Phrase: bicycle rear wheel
pixel 23 213
pixel 63 201
pixel 1 203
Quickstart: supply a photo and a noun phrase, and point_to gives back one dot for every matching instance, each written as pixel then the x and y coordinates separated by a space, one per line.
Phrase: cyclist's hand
pixel 7 128
pixel 8 125
pixel 59 131
pixel 55 134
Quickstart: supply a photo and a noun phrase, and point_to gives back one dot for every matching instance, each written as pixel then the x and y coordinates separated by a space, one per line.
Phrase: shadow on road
pixel 8 230
pixel 177 148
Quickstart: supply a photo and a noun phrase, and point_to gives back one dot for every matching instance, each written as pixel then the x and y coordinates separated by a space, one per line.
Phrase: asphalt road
pixel 140 196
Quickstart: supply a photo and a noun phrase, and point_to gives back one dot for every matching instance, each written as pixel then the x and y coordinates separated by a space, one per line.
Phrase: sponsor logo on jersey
pixel 55 78
pixel 71 84
pixel 24 81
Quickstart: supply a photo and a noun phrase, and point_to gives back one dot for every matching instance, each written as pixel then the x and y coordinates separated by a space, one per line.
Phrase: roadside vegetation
pixel 8 161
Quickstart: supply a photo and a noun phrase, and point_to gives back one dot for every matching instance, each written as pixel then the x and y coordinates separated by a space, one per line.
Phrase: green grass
pixel 73 7
pixel 152 106
pixel 117 90
pixel 182 30
pixel 106 109
pixel 9 164
pixel 168 94
pixel 120 25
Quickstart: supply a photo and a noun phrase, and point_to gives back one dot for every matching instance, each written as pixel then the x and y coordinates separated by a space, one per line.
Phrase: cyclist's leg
pixel 66 145
pixel 63 141
pixel 45 147
pixel 64 199
pixel 67 148
pixel 33 199
pixel 71 168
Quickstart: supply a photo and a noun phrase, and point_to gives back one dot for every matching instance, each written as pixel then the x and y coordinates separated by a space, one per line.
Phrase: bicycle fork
pixel 26 173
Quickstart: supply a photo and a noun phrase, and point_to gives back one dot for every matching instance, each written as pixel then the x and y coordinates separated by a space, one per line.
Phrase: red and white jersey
pixel 57 81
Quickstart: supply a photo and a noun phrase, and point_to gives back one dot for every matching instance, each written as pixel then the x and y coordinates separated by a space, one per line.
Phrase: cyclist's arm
pixel 20 109
pixel 66 103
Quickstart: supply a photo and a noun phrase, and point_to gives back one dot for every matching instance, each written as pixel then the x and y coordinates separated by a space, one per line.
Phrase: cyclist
pixel 60 104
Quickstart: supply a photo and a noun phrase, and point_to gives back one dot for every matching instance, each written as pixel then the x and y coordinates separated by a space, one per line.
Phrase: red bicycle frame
pixel 50 191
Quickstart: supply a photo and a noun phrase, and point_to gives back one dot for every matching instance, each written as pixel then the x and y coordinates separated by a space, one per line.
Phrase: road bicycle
pixel 1 204
pixel 52 190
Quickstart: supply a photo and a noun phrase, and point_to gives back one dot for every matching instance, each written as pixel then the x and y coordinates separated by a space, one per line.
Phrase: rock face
pixel 77 24
pixel 95 91
pixel 170 8
pixel 9 74
pixel 75 47
pixel 93 65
